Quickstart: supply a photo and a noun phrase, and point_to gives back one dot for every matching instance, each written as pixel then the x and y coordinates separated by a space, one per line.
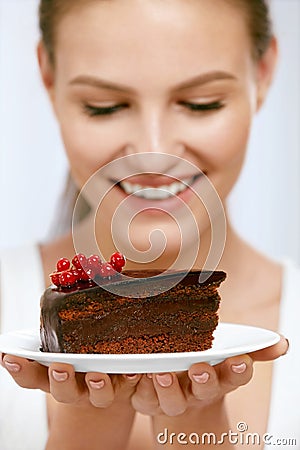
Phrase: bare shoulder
pixel 252 291
pixel 262 270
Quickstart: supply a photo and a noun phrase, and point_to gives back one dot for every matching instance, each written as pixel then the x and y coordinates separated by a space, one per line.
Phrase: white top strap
pixel 23 417
pixel 22 284
pixel 284 408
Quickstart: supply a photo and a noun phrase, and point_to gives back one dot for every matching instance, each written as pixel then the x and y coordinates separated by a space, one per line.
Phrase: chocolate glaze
pixel 147 279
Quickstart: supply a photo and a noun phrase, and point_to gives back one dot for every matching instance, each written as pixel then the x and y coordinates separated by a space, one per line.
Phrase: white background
pixel 265 203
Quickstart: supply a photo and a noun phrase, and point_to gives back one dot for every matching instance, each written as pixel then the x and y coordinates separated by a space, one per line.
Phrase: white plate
pixel 230 340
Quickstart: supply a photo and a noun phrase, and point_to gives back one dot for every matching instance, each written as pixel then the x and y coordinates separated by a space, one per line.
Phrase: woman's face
pixel 165 77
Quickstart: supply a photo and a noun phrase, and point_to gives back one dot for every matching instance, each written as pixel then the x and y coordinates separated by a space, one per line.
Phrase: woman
pixel 161 78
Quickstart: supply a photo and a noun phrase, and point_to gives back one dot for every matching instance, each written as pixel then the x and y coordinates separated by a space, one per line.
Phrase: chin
pixel 159 244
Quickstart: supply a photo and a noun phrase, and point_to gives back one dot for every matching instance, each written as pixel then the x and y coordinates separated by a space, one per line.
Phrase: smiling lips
pixel 149 189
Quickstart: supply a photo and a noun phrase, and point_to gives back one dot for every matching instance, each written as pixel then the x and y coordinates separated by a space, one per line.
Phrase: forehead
pixel 118 37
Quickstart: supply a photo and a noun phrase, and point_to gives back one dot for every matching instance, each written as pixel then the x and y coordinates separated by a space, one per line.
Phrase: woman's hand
pixel 60 380
pixel 173 394
pixel 82 408
pixel 193 401
pixel 202 385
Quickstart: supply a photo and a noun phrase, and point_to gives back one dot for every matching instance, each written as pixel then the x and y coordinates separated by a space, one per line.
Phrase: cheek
pixel 221 141
pixel 222 145
pixel 88 145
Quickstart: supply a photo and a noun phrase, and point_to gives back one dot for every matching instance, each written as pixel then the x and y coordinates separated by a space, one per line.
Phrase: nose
pixel 154 141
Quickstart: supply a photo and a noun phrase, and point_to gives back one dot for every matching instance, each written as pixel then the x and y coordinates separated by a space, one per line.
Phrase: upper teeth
pixel 155 193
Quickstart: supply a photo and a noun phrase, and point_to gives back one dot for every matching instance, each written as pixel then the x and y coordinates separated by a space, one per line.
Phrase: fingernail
pixel 97 384
pixel 149 375
pixel 59 376
pixel 288 346
pixel 164 379
pixel 201 378
pixel 12 367
pixel 239 368
pixel 131 376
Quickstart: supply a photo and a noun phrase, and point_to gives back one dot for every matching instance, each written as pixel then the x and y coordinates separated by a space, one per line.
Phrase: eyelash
pixel 202 107
pixel 93 111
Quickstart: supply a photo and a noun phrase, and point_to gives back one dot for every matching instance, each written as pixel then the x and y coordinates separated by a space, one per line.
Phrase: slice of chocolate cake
pixel 110 319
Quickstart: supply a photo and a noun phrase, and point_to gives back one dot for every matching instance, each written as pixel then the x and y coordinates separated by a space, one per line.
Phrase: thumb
pixel 273 352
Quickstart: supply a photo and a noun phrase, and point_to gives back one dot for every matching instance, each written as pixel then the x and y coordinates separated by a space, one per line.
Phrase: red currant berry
pixel 117 260
pixel 90 273
pixel 76 274
pixel 63 264
pixel 54 277
pixel 82 275
pixel 107 270
pixel 67 279
pixel 94 261
pixel 79 261
pixel 117 268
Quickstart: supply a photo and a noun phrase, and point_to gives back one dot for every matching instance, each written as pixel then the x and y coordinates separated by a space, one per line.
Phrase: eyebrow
pixel 99 83
pixel 205 78
pixel 195 81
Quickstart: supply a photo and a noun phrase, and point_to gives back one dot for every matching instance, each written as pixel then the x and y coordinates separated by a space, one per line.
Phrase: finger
pixel 64 386
pixel 127 386
pixel 101 391
pixel 234 372
pixel 273 352
pixel 204 381
pixel 144 399
pixel 171 398
pixel 27 374
pixel 132 379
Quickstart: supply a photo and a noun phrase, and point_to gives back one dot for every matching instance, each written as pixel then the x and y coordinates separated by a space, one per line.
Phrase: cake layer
pixel 83 307
pixel 163 324
pixel 145 344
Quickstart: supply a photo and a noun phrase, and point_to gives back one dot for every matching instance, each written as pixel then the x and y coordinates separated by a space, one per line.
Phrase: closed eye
pixel 198 107
pixel 104 110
